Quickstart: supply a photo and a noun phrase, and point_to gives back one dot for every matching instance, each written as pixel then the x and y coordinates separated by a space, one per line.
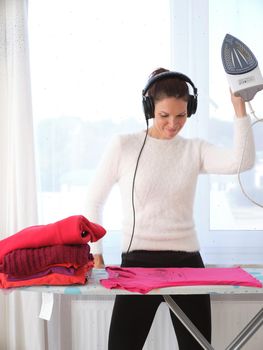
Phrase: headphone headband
pixel 148 103
pixel 168 75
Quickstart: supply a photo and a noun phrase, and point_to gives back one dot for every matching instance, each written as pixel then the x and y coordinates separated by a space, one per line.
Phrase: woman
pixel 163 233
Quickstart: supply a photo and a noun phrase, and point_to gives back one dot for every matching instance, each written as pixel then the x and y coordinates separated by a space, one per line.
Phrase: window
pixel 233 218
pixel 89 63
pixel 228 225
pixel 226 197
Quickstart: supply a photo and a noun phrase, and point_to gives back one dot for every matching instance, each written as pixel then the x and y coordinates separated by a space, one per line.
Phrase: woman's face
pixel 170 115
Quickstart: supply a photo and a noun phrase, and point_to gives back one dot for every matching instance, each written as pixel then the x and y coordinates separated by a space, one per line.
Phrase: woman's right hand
pixel 239 105
pixel 98 261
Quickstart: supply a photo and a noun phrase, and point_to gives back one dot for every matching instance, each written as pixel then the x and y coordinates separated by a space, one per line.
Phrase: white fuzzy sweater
pixel 165 185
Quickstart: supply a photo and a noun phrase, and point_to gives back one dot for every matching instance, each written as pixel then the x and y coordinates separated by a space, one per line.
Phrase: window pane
pixel 229 207
pixel 89 63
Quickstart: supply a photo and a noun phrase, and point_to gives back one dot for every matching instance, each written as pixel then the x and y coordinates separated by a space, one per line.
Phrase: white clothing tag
pixel 47 306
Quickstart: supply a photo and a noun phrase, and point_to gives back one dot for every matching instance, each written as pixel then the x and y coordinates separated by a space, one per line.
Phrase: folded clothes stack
pixel 53 254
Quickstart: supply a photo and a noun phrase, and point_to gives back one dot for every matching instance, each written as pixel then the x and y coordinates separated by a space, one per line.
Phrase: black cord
pixel 133 184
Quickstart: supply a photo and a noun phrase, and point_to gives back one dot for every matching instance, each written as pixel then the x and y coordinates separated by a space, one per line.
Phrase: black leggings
pixel 133 315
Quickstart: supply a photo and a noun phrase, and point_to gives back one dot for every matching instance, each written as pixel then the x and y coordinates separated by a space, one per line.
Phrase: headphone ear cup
pixel 191 105
pixel 148 102
pixel 148 107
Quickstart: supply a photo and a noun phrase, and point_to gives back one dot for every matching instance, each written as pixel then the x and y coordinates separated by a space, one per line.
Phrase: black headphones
pixel 148 102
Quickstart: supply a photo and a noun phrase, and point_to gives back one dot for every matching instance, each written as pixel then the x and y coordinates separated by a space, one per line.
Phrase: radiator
pixel 91 320
pixel 229 318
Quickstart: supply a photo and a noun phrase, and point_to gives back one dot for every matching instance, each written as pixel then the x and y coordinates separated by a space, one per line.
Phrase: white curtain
pixel 20 327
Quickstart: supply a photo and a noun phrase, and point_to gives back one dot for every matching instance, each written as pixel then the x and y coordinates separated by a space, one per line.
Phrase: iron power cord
pixel 258 120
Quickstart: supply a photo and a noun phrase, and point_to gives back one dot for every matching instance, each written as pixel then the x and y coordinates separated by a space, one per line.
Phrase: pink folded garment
pixel 142 280
pixel 72 230
pixel 28 261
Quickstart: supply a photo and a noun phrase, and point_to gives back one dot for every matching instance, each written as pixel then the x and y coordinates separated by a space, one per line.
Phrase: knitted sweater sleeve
pixel 219 160
pixel 105 177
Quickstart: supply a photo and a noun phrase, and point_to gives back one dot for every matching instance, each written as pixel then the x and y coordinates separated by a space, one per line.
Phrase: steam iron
pixel 241 67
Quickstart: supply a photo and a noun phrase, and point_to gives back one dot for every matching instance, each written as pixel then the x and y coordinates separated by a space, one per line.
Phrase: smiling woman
pixel 170 117
pixel 169 103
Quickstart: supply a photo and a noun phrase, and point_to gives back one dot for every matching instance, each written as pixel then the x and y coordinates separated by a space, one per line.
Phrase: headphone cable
pixel 133 184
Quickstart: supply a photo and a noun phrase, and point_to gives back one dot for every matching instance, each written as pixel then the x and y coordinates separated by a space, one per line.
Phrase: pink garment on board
pixel 142 280
pixel 72 230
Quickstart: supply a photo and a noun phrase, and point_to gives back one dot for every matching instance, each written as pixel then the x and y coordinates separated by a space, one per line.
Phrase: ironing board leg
pixel 187 323
pixel 247 332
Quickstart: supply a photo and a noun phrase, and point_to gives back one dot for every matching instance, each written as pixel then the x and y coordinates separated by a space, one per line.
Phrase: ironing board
pixel 93 287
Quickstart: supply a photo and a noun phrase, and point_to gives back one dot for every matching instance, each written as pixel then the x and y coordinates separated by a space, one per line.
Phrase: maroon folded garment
pixel 72 230
pixel 24 262
pixel 67 271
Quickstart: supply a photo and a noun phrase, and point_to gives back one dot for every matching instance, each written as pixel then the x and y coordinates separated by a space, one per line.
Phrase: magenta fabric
pixel 28 261
pixel 72 230
pixel 142 280
pixel 68 271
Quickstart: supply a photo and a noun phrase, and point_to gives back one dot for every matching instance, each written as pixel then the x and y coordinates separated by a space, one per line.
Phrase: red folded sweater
pixel 28 261
pixel 72 230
